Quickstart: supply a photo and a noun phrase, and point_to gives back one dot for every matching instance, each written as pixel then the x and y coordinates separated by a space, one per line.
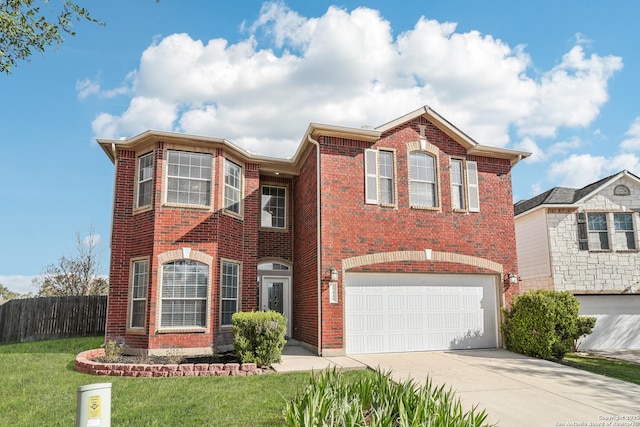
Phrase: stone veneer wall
pixel 587 271
pixel 86 365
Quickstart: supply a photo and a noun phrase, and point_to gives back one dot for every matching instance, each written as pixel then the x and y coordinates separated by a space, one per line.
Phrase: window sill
pixel 388 206
pixel 233 214
pixel 425 208
pixel 188 330
pixel 142 209
pixel 187 206
pixel 136 331
pixel 274 229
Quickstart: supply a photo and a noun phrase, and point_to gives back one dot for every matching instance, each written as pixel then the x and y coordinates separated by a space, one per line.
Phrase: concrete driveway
pixel 517 390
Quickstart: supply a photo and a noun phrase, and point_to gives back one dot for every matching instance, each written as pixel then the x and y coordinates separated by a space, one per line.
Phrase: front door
pixel 275 294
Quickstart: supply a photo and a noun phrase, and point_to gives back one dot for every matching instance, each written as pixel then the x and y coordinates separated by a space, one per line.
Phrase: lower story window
pixel 229 291
pixel 139 293
pixel 184 294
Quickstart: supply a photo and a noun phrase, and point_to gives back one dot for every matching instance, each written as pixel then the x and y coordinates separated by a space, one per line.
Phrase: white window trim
pixel 173 329
pixel 633 230
pixel 224 261
pixel 607 231
pixel 240 189
pixel 139 182
pixel 132 299
pixel 208 205
pixel 435 183
pixel 286 206
pixel 373 177
pixel 469 185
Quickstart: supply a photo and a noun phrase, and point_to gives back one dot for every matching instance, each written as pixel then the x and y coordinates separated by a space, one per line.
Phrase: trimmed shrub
pixel 585 327
pixel 544 324
pixel 376 400
pixel 258 336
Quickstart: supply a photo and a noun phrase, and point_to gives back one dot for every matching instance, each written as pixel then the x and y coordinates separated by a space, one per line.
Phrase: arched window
pixel 184 288
pixel 273 266
pixel 621 190
pixel 423 190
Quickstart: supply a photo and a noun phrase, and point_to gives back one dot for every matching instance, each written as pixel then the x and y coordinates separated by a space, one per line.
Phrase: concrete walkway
pixel 296 358
pixel 518 390
pixel 515 390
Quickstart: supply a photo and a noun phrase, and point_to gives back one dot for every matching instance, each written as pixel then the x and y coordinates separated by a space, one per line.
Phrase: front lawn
pixel 624 371
pixel 38 386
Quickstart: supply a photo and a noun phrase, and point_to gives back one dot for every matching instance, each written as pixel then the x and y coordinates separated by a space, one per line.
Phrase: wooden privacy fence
pixel 35 319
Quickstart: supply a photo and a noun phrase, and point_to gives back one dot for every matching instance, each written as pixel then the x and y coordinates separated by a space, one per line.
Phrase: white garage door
pixel 416 312
pixel 617 324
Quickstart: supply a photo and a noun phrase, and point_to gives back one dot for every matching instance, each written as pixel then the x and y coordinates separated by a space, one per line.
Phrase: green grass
pixel 38 386
pixel 624 371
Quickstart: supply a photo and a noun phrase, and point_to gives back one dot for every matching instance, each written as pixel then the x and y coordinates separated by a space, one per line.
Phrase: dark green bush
pixel 544 324
pixel 375 401
pixel 258 336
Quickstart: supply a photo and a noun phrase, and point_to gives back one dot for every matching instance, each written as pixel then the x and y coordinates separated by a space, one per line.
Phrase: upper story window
pixel 188 178
pixel 230 285
pixel 386 177
pixel 140 278
pixel 464 185
pixel 598 231
pixel 273 202
pixel 423 191
pixel 624 237
pixel 232 186
pixel 145 180
pixel 184 294
pixel 380 184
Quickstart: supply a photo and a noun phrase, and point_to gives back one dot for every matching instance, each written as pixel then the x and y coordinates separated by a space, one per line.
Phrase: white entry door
pixel 275 294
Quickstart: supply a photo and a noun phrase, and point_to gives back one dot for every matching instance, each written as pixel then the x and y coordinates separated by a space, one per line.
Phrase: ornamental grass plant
pixel 331 399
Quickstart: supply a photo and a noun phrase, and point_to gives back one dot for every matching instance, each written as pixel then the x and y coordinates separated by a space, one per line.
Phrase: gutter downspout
pixel 114 152
pixel 319 267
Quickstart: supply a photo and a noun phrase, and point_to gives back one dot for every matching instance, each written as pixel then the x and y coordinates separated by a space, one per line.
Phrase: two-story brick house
pixel 395 238
pixel 585 241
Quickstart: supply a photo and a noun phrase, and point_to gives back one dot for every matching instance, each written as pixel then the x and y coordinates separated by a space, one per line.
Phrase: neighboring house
pixel 398 238
pixel 585 241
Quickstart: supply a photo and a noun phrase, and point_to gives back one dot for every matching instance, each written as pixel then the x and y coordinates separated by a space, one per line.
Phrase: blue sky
pixel 558 79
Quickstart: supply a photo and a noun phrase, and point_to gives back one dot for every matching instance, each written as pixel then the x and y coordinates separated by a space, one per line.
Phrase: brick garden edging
pixel 86 365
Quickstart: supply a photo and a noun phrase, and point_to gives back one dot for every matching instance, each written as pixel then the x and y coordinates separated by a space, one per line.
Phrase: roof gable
pixel 457 135
pixel 563 196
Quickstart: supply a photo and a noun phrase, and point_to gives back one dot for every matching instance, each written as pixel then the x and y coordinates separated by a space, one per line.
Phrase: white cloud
pixel 19 283
pixel 539 155
pixel 143 114
pixel 633 142
pixel 86 87
pixel 579 170
pixel 92 240
pixel 346 68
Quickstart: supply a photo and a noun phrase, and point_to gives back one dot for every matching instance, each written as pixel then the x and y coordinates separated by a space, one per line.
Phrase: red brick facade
pixel 348 227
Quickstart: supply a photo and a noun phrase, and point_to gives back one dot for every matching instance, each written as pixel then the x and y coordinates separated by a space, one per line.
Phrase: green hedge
pixel 258 336
pixel 544 324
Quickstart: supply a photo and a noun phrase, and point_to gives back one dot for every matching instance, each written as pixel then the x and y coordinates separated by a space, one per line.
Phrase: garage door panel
pixel 617 321
pixel 419 312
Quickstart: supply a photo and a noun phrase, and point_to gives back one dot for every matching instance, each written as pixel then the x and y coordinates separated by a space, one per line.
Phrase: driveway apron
pixel 517 390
